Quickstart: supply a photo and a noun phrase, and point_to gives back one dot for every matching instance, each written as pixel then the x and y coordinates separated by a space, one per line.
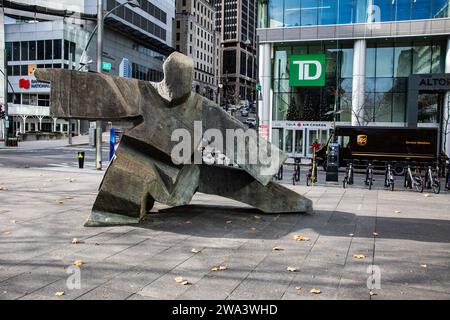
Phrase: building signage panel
pixel 307 70
pixel 302 124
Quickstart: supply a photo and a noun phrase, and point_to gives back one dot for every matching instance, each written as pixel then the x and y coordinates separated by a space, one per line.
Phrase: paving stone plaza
pixel 359 244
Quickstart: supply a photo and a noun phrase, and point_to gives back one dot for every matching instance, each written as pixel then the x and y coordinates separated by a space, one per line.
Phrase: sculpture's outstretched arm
pixel 92 96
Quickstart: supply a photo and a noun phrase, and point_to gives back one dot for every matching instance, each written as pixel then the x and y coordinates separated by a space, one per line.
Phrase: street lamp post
pixel 5 88
pixel 85 61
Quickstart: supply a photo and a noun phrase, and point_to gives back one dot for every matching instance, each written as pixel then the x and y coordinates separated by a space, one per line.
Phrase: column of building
pixel 359 81
pixel 264 105
pixel 446 115
pixel 3 99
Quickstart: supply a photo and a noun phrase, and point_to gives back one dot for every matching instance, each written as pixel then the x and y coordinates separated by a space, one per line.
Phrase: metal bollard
pixel 81 160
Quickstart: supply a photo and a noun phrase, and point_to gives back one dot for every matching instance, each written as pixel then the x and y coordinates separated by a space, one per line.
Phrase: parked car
pixel 251 122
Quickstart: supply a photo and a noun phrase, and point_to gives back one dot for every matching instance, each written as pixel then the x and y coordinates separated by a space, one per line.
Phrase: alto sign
pixel 307 70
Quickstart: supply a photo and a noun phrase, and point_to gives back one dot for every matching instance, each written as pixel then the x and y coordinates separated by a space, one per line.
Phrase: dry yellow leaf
pixel 2 188
pixel 195 250
pixel 291 269
pixel 298 237
pixel 185 283
pixel 188 222
pixel 75 241
pixel 375 234
pixel 426 195
pixel 179 279
pixel 68 198
pixel 277 249
pixel 59 202
pixel 257 217
pixel 424 265
pixel 8 232
pixel 78 263
pixel 316 291
pixel 397 211
pixel 219 268
pixel 13 221
pixel 298 288
pixel 59 293
pixel 359 256
pixel 371 293
pixel 228 221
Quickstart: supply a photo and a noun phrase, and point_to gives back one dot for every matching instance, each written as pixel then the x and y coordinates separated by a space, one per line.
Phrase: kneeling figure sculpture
pixel 143 170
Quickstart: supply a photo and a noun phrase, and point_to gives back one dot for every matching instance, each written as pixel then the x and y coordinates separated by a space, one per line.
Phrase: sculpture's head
pixel 178 77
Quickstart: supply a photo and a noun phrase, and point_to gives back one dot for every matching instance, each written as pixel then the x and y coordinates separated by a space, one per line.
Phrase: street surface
pixel 401 239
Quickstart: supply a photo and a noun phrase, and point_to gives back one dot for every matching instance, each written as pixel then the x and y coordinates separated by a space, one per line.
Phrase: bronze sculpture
pixel 143 170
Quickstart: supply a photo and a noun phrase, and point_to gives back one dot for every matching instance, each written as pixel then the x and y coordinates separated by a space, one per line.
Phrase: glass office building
pixel 371 48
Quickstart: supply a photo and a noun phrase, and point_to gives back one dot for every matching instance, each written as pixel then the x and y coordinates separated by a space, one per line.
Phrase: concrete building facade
pixel 195 35
pixel 236 22
pixel 53 34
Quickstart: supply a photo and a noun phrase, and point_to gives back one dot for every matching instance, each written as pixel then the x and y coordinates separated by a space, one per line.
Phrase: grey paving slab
pixel 411 247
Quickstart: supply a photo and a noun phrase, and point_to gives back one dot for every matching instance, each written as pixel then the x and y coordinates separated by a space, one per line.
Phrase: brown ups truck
pixel 395 145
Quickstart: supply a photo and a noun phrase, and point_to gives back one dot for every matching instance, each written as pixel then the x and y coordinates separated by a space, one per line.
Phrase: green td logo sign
pixel 307 70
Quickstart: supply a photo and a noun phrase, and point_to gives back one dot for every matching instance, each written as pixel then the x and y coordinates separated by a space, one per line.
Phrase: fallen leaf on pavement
pixel 13 221
pixel 2 188
pixel 426 195
pixel 298 237
pixel 59 293
pixel 219 268
pixel 75 241
pixel 228 221
pixel 298 288
pixel 68 198
pixel 78 263
pixel 424 265
pixel 188 222
pixel 257 217
pixel 397 211
pixel 7 232
pixel 291 269
pixel 195 250
pixel 371 293
pixel 359 256
pixel 375 234
pixel 59 202
pixel 277 249
pixel 315 291
pixel 179 279
pixel 185 283
pixel 351 234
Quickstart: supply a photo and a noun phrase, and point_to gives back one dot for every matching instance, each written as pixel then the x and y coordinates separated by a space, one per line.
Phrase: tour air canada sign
pixel 307 70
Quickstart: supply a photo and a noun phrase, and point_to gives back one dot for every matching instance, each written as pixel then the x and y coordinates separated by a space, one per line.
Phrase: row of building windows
pixel 22 70
pixel 288 13
pixel 388 66
pixel 147 6
pixel 39 50
pixel 144 73
pixel 31 99
pixel 140 22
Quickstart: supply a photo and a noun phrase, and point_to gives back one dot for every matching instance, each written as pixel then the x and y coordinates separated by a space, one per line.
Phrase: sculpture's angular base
pixel 104 219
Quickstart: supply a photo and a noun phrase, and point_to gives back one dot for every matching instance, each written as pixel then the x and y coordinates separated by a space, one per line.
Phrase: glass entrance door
pixel 299 150
pixel 319 135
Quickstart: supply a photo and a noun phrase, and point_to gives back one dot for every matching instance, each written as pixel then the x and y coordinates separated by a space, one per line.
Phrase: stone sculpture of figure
pixel 143 170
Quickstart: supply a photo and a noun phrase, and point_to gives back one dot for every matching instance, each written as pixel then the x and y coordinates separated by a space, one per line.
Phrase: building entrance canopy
pixel 439 83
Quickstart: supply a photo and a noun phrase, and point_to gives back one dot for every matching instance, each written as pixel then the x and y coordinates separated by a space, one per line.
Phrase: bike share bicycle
pixel 413 179
pixel 296 174
pixel 349 175
pixel 389 180
pixel 369 175
pixel 432 179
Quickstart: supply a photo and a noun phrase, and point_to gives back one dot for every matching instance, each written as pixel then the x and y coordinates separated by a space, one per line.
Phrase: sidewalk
pixel 404 235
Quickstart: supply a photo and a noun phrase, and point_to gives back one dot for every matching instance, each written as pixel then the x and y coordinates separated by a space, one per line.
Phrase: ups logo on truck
pixel 361 140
